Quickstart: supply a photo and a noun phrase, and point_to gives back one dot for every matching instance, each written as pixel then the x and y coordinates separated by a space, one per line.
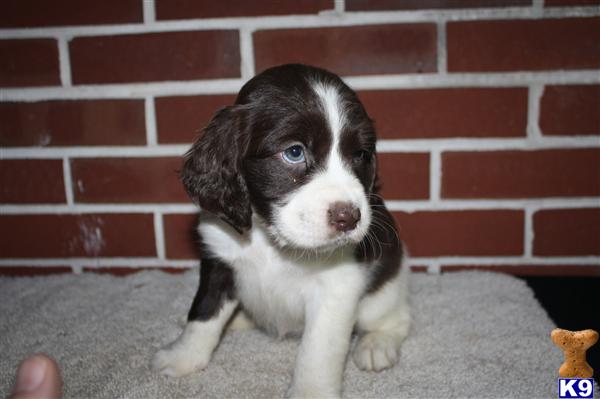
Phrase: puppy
pixel 294 235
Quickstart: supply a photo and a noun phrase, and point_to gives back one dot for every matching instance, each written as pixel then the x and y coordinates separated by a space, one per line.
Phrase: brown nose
pixel 343 216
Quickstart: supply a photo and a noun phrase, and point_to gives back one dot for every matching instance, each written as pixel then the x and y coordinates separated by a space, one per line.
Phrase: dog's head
pixel 297 148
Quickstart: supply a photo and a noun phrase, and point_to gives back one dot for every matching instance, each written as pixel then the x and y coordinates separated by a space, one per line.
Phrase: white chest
pixel 272 292
pixel 274 287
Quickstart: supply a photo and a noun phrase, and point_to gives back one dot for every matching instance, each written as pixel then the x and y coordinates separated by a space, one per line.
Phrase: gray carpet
pixel 474 335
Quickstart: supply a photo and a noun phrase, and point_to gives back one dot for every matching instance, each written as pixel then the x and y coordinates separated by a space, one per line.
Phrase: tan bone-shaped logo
pixel 574 344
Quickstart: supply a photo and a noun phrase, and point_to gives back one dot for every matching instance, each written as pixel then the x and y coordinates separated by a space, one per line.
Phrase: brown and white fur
pixel 294 235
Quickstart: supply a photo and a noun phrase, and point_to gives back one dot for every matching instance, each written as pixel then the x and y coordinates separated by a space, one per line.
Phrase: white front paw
pixel 311 392
pixel 190 352
pixel 376 351
pixel 178 361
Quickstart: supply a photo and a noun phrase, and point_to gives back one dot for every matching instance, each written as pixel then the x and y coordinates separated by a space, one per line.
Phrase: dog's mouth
pixel 315 224
pixel 323 250
pixel 316 243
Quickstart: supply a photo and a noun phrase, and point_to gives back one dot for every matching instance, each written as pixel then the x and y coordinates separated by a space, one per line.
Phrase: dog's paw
pixel 178 361
pixel 190 352
pixel 310 392
pixel 376 351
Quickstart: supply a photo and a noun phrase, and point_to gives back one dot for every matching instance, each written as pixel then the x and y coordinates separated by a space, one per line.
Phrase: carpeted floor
pixel 474 335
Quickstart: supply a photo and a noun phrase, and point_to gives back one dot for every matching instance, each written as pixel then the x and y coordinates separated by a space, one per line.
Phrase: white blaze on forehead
pixel 333 107
pixel 303 219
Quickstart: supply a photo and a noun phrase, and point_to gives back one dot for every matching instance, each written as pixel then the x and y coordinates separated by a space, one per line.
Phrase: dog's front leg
pixel 211 310
pixel 324 347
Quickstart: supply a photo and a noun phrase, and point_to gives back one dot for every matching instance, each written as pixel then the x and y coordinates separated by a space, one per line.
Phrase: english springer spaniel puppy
pixel 294 235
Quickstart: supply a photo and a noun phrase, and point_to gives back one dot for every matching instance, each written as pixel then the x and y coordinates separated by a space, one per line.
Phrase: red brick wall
pixel 488 114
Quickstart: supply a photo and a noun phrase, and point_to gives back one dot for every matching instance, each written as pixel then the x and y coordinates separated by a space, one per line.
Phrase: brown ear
pixel 211 170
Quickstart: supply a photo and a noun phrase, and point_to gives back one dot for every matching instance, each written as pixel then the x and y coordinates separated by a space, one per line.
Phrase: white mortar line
pixel 246 53
pixel 149 12
pixel 232 86
pixel 434 267
pixel 510 260
pixel 339 6
pixel 442 54
pixel 536 91
pixel 168 150
pixel 68 181
pixel 529 233
pixel 432 263
pixel 492 204
pixel 309 21
pixel 150 119
pixel 97 208
pixel 382 82
pixel 130 90
pixel 435 175
pixel 491 79
pixel 99 262
pixel 159 234
pixel 486 144
pixel 383 146
pixel 393 205
pixel 64 62
pixel 76 269
pixel 538 6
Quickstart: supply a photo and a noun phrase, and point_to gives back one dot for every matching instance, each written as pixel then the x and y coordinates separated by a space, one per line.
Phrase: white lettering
pixel 566 389
pixel 585 388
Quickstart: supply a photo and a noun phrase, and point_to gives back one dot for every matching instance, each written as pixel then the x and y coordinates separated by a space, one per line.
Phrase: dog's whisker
pixel 386 223
pixel 387 228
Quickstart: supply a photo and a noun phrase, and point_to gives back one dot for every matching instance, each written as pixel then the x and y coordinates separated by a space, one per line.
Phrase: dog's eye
pixel 294 154
pixel 360 156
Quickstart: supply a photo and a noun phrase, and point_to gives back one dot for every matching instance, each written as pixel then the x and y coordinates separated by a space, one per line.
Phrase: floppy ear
pixel 211 170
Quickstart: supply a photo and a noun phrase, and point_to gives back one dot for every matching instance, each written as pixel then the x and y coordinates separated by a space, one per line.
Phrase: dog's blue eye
pixel 294 154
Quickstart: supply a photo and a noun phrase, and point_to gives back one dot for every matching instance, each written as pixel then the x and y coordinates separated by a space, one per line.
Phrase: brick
pixel 439 113
pixel 28 271
pixel 462 233
pixel 521 174
pixel 566 3
pixel 115 180
pixel 570 110
pixel 383 5
pixel 419 269
pixel 87 235
pixel 155 57
pixel 358 50
pixel 567 232
pixel 186 9
pixel 531 270
pixel 181 119
pixel 181 237
pixel 73 123
pixel 29 62
pixel 34 13
pixel 523 45
pixel 31 181
pixel 404 176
